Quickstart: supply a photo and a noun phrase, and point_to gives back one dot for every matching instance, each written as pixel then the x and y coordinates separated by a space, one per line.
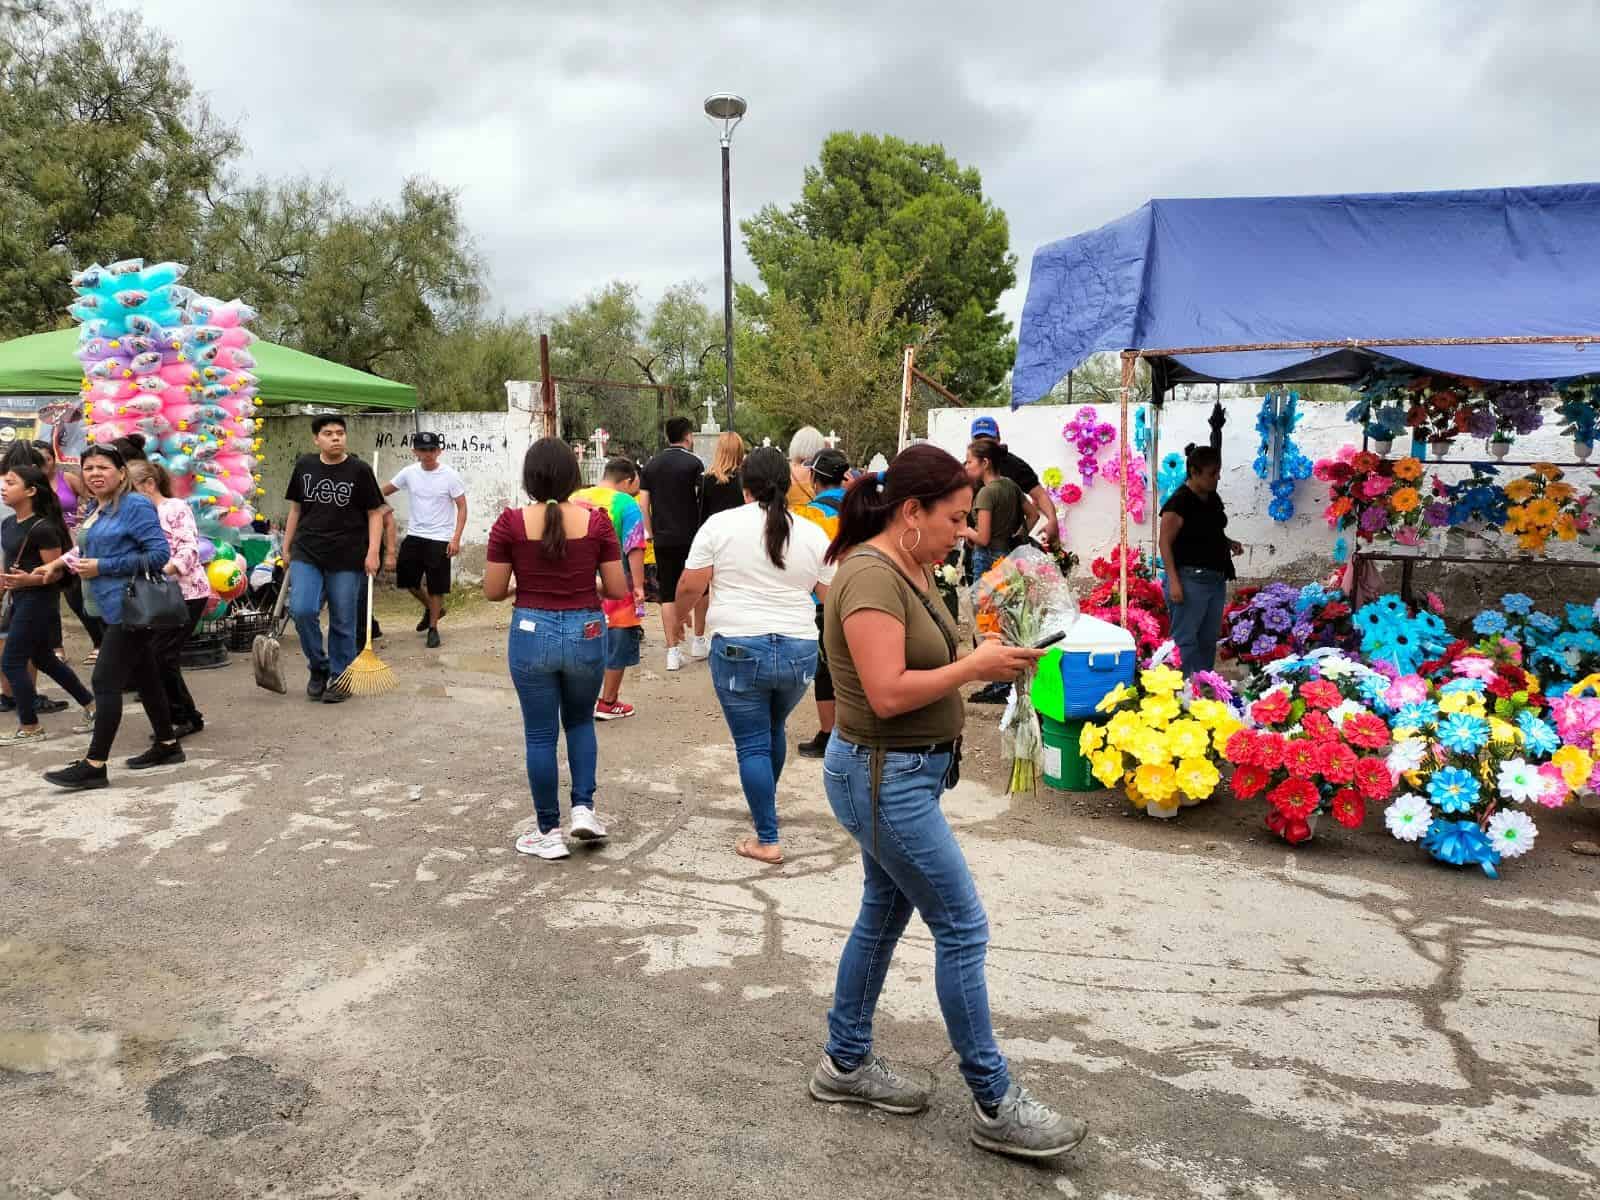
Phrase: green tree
pixel 685 345
pixel 368 286
pixel 465 369
pixel 826 367
pixel 602 338
pixel 879 209
pixel 105 153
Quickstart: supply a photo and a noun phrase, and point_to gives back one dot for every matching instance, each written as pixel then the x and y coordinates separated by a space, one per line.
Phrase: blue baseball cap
pixel 986 427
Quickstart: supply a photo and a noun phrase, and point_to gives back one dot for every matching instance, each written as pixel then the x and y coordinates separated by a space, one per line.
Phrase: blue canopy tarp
pixel 1409 265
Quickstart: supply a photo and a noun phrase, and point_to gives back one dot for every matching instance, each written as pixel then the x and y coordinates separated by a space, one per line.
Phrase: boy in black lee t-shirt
pixel 332 537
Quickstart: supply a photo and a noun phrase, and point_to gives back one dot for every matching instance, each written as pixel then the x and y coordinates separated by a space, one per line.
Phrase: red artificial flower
pixel 1293 830
pixel 1349 808
pixel 1334 611
pixel 1300 757
pixel 1366 730
pixel 1336 763
pixel 1270 748
pixel 1295 798
pixel 1271 709
pixel 1319 693
pixel 1373 778
pixel 1249 780
pixel 1319 727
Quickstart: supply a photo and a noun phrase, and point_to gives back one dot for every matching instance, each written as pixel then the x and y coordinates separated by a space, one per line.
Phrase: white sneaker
pixel 543 845
pixel 586 826
pixel 674 658
pixel 699 647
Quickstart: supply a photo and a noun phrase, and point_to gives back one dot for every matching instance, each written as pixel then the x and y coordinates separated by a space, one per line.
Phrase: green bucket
pixel 1065 769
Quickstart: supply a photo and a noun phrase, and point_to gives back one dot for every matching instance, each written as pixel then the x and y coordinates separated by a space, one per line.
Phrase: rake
pixel 369 675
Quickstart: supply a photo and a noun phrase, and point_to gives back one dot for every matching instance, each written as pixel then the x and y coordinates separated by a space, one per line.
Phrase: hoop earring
pixel 911 549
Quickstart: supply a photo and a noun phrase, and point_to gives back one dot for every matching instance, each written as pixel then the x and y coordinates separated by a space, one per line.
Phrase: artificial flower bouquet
pixel 1542 505
pixel 1024 598
pixel 1559 649
pixel 1148 618
pixel 1438 409
pixel 1395 636
pixel 1471 767
pixel 1315 743
pixel 1161 741
pixel 1264 624
pixel 1375 498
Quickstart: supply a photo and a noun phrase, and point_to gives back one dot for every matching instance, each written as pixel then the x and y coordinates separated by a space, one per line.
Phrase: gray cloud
pixel 575 136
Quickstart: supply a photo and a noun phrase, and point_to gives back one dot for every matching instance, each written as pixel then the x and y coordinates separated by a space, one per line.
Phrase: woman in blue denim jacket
pixel 555 548
pixel 893 652
pixel 120 538
pixel 762 567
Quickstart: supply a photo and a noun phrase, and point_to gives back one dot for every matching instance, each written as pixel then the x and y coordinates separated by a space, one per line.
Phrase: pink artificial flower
pixel 1555 787
pixel 1408 535
pixel 1471 666
pixel 1408 689
pixel 1435 604
pixel 1375 486
pixel 1346 453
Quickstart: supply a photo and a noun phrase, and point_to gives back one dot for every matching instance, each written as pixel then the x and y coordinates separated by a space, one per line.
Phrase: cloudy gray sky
pixel 574 134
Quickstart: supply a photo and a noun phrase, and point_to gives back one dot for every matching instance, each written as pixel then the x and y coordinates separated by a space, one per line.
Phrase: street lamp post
pixel 728 110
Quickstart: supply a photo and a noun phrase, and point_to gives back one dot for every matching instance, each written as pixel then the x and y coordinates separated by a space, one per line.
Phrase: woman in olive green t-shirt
pixel 897 678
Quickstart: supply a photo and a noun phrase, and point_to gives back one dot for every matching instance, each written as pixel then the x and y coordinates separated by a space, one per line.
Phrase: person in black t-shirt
pixel 331 539
pixel 1198 557
pixel 670 497
pixel 1009 466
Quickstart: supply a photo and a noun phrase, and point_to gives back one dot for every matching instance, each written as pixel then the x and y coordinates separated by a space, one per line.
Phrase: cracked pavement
pixel 268 971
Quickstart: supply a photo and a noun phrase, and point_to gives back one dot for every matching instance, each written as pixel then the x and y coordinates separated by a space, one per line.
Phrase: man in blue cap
pixel 1021 474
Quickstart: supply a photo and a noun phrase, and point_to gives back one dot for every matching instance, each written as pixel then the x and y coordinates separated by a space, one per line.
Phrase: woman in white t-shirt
pixel 763 568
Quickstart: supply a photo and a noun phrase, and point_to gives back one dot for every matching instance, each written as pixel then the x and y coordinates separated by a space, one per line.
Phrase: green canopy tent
pixel 43 364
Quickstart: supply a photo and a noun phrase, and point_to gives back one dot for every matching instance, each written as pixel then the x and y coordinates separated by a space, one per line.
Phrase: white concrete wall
pixel 1300 549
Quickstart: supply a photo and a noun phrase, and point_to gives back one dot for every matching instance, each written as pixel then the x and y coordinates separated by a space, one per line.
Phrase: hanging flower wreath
pixel 1112 473
pixel 1141 430
pixel 1291 465
pixel 1171 475
pixel 1088 435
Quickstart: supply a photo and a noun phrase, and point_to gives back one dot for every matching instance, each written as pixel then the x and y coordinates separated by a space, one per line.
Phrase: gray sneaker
pixel 1025 1128
pixel 874 1083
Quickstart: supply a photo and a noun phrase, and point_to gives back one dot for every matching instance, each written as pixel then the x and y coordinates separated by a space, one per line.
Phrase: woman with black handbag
pixel 120 554
pixel 30 610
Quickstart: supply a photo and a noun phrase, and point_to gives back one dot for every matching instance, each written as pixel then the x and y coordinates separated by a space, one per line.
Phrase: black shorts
pixel 670 562
pixel 424 558
pixel 823 681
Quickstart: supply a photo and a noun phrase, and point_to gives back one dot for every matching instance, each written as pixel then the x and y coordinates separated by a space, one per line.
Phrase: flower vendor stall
pixel 1455 316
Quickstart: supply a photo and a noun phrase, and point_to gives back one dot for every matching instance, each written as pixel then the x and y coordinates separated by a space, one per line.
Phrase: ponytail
pixel 765 475
pixel 923 473
pixel 549 476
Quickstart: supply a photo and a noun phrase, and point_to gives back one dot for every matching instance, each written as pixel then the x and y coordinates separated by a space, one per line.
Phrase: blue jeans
pixel 309 586
pixel 35 620
pixel 759 680
pixel 1197 622
pixel 558 661
pixel 918 866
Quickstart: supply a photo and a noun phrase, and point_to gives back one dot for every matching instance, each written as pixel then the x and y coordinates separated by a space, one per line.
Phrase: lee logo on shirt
pixel 326 491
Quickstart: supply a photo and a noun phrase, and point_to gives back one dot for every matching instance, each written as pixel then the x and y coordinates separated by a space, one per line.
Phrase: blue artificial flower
pixel 1517 603
pixel 1544 623
pixel 1586 642
pixel 1373 688
pixel 1418 715
pixel 1341 549
pixel 1538 735
pixel 1463 733
pixel 1453 790
pixel 1391 604
pixel 1280 509
pixel 1489 623
pixel 1580 616
pixel 1476 686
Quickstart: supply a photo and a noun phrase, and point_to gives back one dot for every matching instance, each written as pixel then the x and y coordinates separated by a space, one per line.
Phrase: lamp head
pixel 728 109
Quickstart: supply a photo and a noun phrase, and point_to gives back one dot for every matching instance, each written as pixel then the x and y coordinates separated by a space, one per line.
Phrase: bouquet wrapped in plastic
pixel 1024 598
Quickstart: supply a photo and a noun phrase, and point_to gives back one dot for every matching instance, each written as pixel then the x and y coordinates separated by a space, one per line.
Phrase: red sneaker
pixel 611 710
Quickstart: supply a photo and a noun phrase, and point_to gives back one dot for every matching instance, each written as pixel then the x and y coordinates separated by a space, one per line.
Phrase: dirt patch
pixel 227 1096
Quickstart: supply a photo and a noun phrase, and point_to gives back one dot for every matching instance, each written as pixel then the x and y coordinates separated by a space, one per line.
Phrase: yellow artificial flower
pixel 1106 765
pixel 1156 782
pixel 1519 490
pixel 1187 738
pixel 1560 491
pixel 1542 512
pixel 1548 470
pixel 1532 541
pixel 1117 695
pixel 1052 477
pixel 1160 679
pixel 1458 702
pixel 1408 468
pixel 1566 528
pixel 1504 732
pixel 1516 520
pixel 1197 777
pixel 1576 764
pixel 1125 729
pixel 1224 731
pixel 1402 733
pixel 1151 749
pixel 1091 738
pixel 1210 713
pixel 1158 710
pixel 1405 500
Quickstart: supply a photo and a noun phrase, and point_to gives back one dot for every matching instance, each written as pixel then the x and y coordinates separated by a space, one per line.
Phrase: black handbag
pixel 153 601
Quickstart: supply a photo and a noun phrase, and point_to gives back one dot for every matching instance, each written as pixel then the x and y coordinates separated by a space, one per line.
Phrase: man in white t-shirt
pixel 433 530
